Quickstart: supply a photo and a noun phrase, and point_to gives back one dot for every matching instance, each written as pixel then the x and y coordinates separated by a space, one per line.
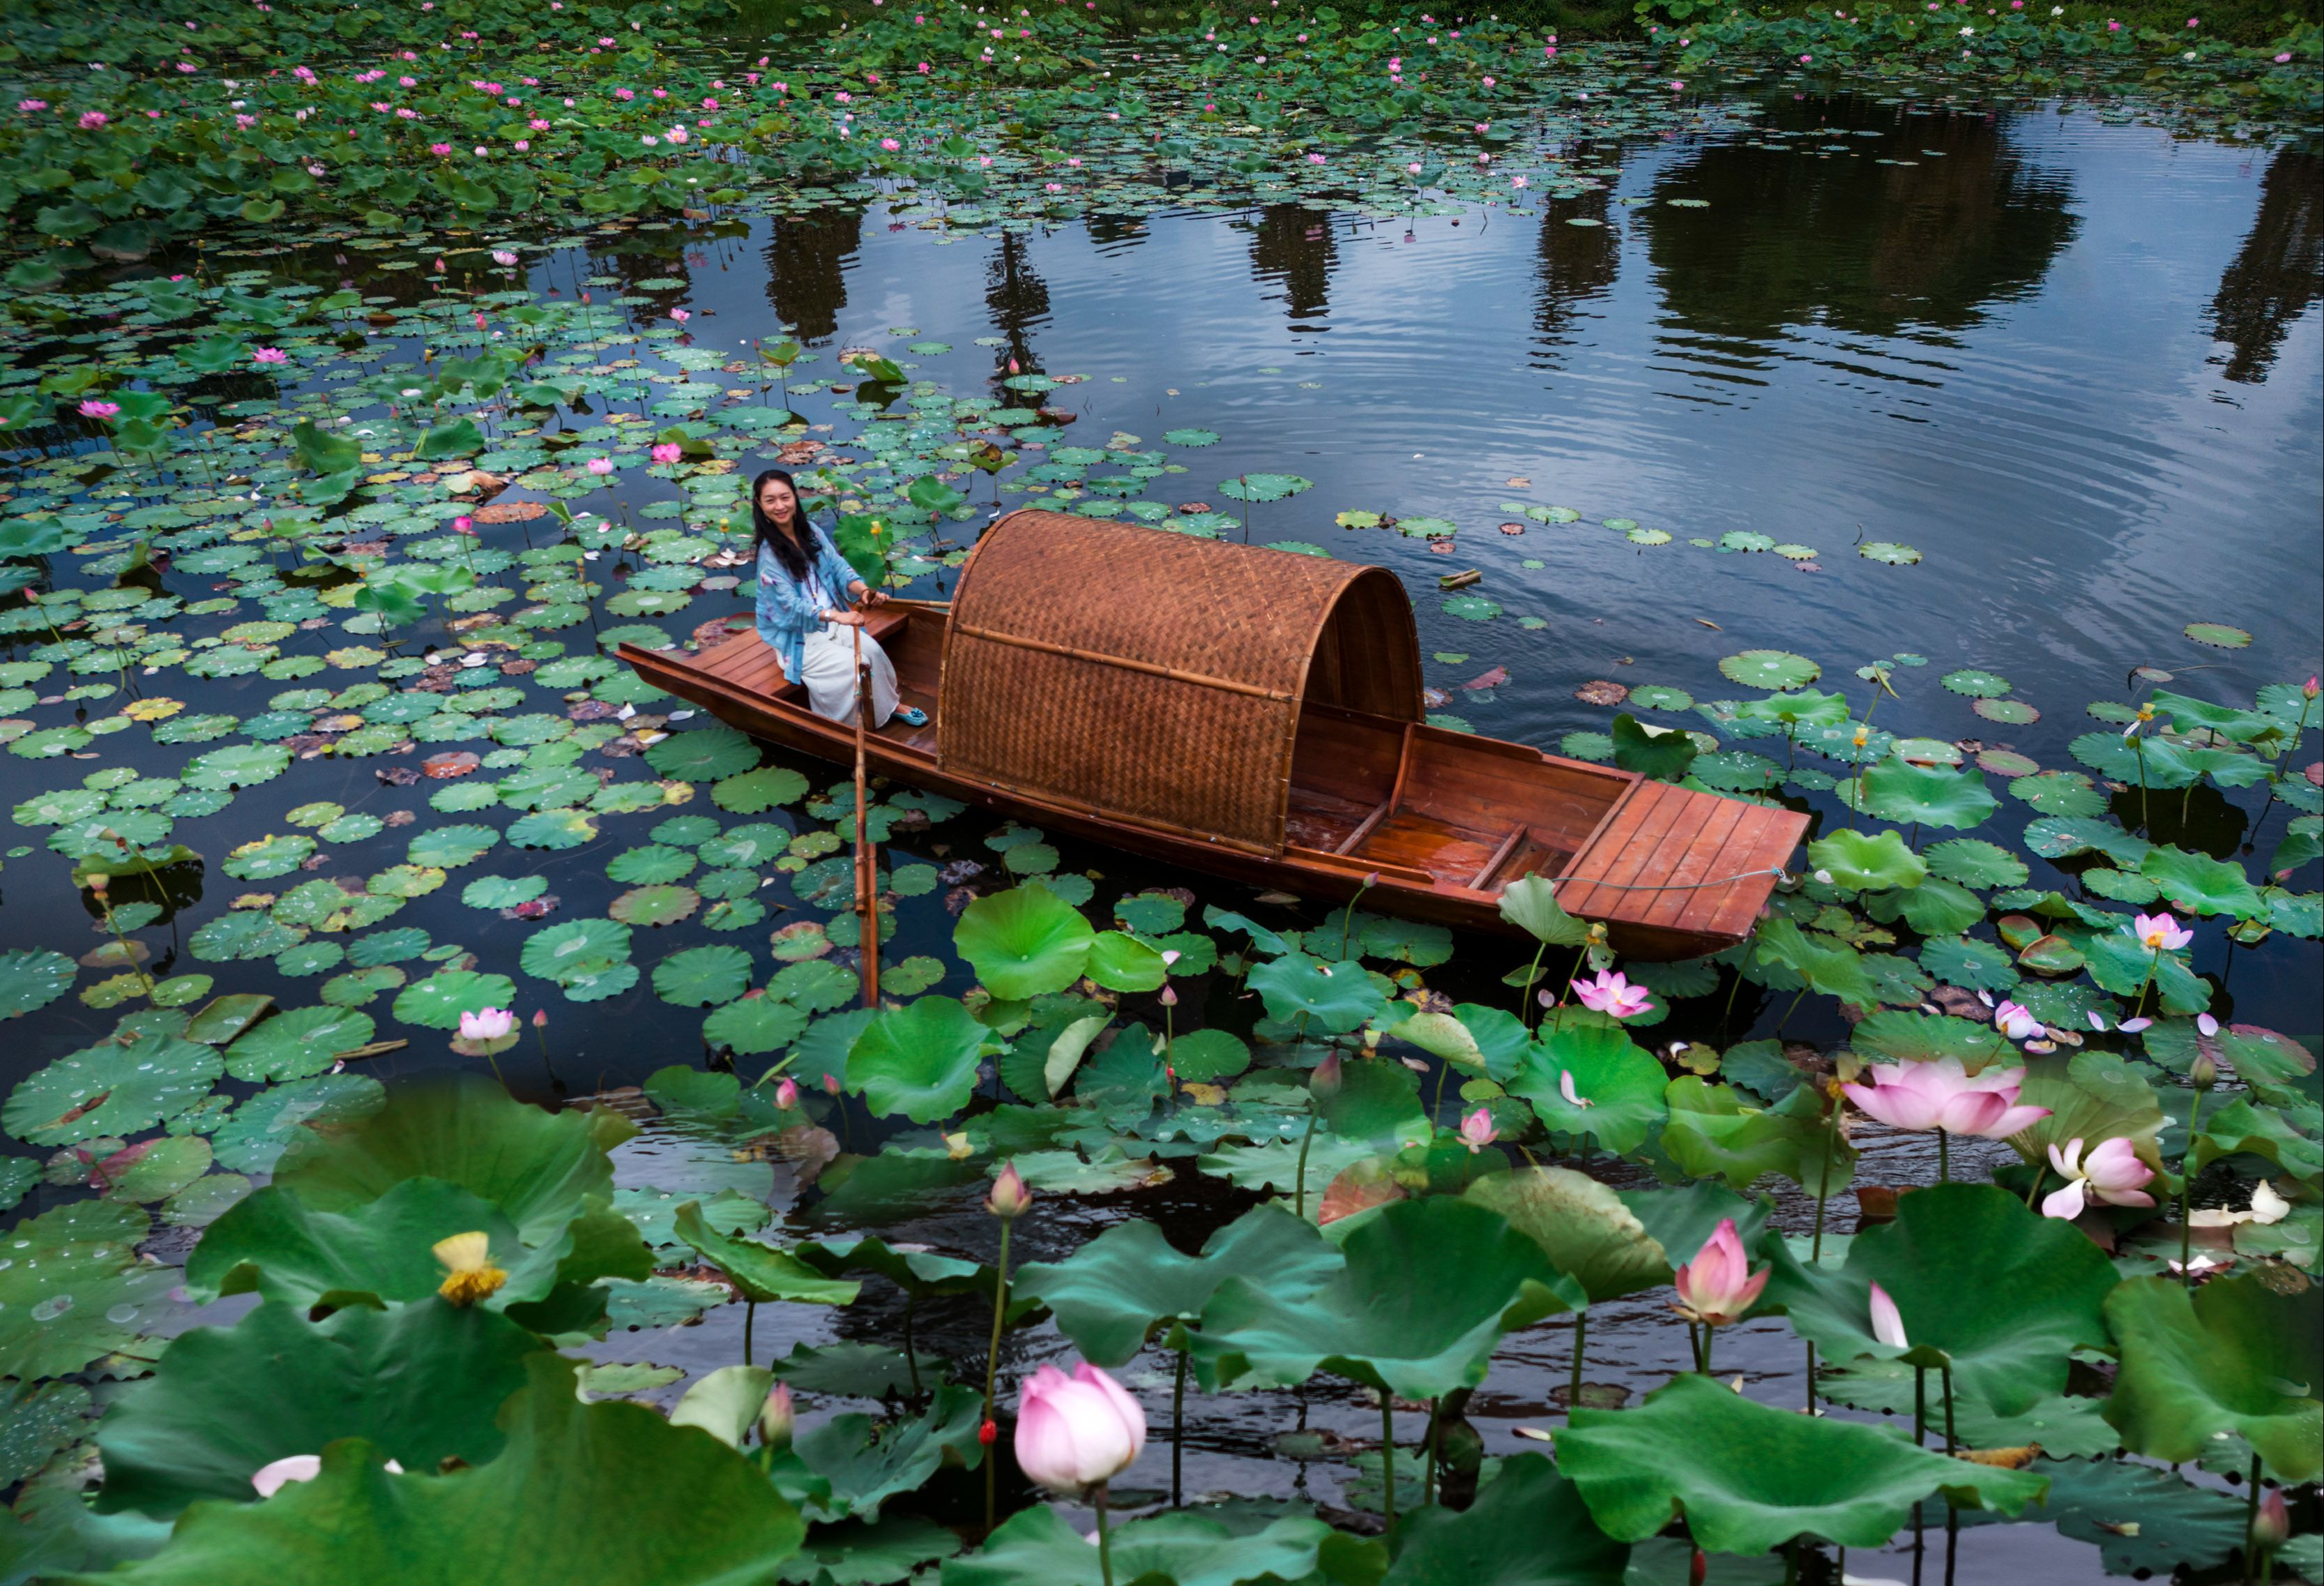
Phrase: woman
pixel 803 585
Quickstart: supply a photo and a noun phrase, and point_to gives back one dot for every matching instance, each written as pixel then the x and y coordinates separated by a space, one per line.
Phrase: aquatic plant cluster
pixel 123 131
pixel 408 509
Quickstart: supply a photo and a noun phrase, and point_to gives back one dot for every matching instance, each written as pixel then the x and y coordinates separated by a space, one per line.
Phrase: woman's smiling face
pixel 777 500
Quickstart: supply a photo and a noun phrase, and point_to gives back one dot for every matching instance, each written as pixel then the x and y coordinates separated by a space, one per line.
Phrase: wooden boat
pixel 1256 715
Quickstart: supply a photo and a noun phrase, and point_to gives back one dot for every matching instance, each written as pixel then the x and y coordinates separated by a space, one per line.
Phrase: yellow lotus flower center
pixel 470 1276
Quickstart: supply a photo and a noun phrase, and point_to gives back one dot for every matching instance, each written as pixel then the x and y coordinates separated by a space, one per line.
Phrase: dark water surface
pixel 2077 366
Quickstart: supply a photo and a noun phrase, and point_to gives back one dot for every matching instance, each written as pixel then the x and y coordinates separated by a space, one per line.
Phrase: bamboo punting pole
pixel 867 869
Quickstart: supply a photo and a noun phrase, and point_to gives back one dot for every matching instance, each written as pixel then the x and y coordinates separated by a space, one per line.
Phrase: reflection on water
pixel 1019 300
pixel 1292 246
pixel 1926 224
pixel 2279 274
pixel 1581 257
pixel 808 257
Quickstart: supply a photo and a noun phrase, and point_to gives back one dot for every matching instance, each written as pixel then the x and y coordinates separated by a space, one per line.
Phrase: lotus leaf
pixel 1909 795
pixel 707 754
pixel 559 1503
pixel 1530 903
pixel 1337 997
pixel 1582 1225
pixel 438 1000
pixel 1863 862
pixel 920 1060
pixel 760 1273
pixel 1619 1083
pixel 538 1167
pixel 298 1044
pixel 1113 1291
pixel 1023 942
pixel 30 978
pixel 71 1291
pixel 2200 884
pixel 1749 1478
pixel 1039 1547
pixel 1528 1527
pixel 703 977
pixel 423 1382
pixel 1429 1288
pixel 2002 1293
pixel 116 1087
pixel 754 1026
pixel 865 1463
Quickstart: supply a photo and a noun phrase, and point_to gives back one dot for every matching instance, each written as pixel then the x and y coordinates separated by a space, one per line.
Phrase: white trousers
pixel 827 668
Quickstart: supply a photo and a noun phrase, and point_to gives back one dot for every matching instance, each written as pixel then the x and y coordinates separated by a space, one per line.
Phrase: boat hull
pixel 1683 918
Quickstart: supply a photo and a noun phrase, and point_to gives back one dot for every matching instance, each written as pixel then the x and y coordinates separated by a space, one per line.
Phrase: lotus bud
pixel 2203 1072
pixel 1325 1082
pixel 2205 1025
pixel 98 881
pixel 2271 1525
pixel 988 1432
pixel 831 1084
pixel 786 1093
pixel 540 1019
pixel 777 1416
pixel 1169 998
pixel 1888 1324
pixel 2309 689
pixel 1009 1199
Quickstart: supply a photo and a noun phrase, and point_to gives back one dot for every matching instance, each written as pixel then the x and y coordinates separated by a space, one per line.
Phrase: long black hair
pixel 795 550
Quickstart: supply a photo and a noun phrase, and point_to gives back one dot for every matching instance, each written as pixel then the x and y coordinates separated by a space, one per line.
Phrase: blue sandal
pixel 911 716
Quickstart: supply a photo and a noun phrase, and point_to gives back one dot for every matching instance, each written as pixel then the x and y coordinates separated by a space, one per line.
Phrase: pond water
pixel 2074 364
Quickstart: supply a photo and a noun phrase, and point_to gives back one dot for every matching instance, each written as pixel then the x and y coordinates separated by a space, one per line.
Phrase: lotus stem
pixel 2186 1194
pixel 1179 1431
pixel 991 1369
pixel 749 1316
pixel 911 1355
pixel 1823 1193
pixel 1526 1003
pixel 1811 1368
pixel 1944 1156
pixel 1387 1458
pixel 1104 1542
pixel 1574 1379
pixel 1435 1439
pixel 2041 1176
pixel 1947 1380
pixel 1920 1406
pixel 2251 1524
pixel 1348 917
pixel 2138 747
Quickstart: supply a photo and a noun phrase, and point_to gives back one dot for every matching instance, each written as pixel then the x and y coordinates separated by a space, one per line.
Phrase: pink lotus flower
pixel 270 355
pixel 1573 1098
pixel 669 451
pixel 1718 1287
pixel 677 134
pixel 464 524
pixel 1941 1094
pixel 272 1478
pixel 680 316
pixel 601 466
pixel 2111 1174
pixel 1613 994
pixel 1888 1324
pixel 1477 1130
pixel 486 1024
pixel 787 1094
pixel 1074 1433
pixel 503 257
pixel 91 120
pixel 2159 932
pixel 2017 1022
pixel 90 408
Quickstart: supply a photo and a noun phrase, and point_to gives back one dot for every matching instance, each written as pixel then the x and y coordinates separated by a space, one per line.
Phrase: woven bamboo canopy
pixel 1159 677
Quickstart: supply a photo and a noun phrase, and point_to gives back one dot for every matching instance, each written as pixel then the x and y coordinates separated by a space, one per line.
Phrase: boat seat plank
pixel 1317 817
pixel 1420 842
pixel 1507 846
pixel 1371 822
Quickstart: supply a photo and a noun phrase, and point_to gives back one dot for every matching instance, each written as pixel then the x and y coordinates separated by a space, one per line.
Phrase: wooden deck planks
pixel 1607 865
pixel 1698 860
